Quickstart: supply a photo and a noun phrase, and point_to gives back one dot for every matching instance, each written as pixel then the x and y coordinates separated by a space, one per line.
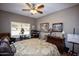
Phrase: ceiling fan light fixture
pixel 34 8
pixel 33 11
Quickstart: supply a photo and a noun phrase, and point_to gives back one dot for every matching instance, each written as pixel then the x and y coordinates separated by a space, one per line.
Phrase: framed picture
pixel 57 27
pixel 44 27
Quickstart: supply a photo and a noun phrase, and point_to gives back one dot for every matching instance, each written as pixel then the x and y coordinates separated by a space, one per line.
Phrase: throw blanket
pixel 35 47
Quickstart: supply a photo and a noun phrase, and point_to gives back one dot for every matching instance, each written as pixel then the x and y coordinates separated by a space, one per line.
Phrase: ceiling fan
pixel 34 8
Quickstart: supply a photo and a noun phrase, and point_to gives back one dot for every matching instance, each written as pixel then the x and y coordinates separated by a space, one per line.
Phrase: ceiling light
pixel 33 11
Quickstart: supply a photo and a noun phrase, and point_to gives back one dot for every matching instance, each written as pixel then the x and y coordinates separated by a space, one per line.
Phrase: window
pixel 16 28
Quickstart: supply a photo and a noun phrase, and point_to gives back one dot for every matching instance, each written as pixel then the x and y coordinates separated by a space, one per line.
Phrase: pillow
pixel 0 39
pixel 5 38
pixel 57 34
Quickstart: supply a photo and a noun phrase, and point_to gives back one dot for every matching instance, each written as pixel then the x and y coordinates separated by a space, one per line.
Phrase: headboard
pixel 4 34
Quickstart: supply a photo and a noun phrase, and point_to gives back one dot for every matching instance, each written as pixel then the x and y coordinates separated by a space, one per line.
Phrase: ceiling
pixel 48 9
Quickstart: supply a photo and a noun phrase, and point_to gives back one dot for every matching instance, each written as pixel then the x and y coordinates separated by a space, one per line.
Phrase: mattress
pixel 35 47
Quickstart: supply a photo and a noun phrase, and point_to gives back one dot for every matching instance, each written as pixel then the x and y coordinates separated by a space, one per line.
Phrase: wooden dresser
pixel 35 34
pixel 59 42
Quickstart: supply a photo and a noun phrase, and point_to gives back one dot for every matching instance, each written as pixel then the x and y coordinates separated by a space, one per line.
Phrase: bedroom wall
pixel 70 19
pixel 7 17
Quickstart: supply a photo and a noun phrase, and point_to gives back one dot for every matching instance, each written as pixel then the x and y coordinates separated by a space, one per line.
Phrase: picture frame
pixel 57 27
pixel 44 27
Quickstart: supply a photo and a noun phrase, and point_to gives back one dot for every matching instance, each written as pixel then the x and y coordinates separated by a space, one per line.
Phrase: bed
pixel 35 47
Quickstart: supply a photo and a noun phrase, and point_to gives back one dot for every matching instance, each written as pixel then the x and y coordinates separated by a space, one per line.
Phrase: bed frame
pixel 59 42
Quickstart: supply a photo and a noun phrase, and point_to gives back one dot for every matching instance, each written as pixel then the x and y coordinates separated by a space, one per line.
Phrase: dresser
pixel 59 42
pixel 35 34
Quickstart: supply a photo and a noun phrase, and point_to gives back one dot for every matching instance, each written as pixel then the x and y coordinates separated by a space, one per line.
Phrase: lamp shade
pixel 73 38
pixel 63 32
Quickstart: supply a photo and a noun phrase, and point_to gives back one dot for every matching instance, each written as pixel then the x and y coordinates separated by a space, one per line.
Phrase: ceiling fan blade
pixel 40 6
pixel 26 9
pixel 29 5
pixel 40 12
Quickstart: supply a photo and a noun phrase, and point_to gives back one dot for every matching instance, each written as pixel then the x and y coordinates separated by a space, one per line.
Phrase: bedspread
pixel 35 47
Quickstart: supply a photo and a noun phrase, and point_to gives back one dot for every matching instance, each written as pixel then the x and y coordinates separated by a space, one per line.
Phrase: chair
pixel 6 49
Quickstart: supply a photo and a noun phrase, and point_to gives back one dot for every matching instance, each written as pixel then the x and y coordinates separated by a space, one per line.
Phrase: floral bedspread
pixel 35 47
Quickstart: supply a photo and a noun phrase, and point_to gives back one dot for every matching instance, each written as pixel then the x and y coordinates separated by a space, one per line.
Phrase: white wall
pixel 6 18
pixel 69 17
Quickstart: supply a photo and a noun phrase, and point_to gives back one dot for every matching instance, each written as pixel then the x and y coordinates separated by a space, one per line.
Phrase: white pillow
pixel 57 34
